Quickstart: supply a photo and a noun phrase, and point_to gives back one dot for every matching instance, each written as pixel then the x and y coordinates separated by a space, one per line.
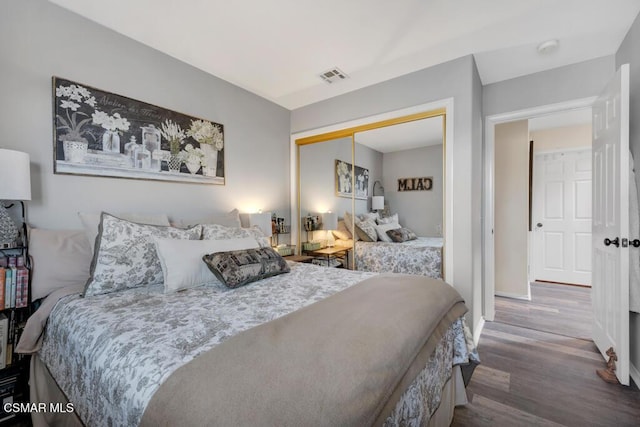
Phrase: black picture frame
pixel 99 133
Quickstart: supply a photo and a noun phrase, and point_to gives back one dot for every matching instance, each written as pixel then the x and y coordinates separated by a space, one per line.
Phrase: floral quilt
pixel 422 256
pixel 110 353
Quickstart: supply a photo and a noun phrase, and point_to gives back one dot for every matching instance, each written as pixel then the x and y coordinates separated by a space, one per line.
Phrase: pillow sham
pixel 348 222
pixel 125 255
pixel 238 268
pixel 91 220
pixel 382 229
pixel 231 219
pixel 342 232
pixel 61 258
pixel 401 235
pixel 181 260
pixel 366 230
pixel 388 219
pixel 372 216
pixel 221 232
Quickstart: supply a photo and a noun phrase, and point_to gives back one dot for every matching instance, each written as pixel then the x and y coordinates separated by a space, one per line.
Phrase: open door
pixel 610 226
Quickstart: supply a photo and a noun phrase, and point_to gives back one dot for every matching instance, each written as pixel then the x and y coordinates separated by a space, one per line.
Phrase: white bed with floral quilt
pixel 113 347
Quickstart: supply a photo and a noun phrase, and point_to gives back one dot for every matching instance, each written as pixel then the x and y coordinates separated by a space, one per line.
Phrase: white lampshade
pixel 377 202
pixel 15 175
pixel 329 221
pixel 261 219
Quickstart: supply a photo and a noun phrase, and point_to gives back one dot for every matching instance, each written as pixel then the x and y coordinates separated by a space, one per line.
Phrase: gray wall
pixel 629 52
pixel 457 79
pixel 420 211
pixel 39 40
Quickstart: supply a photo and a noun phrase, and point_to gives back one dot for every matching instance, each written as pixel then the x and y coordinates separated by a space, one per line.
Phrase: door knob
pixel 615 242
pixel 635 243
pixel 539 225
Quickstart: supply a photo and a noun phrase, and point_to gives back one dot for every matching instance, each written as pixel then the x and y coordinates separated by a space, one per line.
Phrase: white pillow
pixel 388 220
pixel 382 229
pixel 91 220
pixel 182 264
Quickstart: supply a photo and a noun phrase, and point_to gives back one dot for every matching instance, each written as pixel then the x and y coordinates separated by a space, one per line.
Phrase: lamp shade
pixel 262 220
pixel 377 202
pixel 15 175
pixel 330 221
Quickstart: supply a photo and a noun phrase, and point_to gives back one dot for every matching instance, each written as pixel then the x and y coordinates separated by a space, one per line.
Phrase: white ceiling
pixel 405 136
pixel 277 48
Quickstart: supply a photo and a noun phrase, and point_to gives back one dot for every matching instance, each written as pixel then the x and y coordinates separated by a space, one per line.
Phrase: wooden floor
pixel 538 367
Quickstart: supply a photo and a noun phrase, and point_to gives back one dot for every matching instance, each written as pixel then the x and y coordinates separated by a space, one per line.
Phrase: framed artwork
pixel 103 134
pixel 345 182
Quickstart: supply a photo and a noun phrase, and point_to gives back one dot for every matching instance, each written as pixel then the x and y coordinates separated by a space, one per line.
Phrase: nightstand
pixel 299 258
pixel 329 253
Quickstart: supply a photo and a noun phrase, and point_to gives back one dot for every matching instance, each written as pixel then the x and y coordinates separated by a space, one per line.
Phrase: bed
pixel 276 351
pixel 382 245
pixel 422 256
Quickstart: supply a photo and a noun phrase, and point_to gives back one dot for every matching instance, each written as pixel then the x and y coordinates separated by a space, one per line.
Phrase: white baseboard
pixel 515 296
pixel 477 330
pixel 634 373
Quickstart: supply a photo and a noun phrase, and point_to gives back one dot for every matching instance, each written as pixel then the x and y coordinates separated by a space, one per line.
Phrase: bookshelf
pixel 15 309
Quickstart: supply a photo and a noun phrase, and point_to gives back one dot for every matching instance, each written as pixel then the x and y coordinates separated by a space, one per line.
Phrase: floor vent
pixel 333 75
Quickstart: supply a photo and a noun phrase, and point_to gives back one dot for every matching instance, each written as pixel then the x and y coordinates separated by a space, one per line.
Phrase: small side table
pixel 299 258
pixel 339 252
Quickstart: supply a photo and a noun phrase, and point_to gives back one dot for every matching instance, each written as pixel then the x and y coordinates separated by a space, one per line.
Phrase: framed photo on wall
pixel 99 133
pixel 350 179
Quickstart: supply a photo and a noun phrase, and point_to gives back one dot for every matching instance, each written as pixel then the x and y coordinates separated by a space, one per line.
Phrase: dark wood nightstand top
pixel 299 258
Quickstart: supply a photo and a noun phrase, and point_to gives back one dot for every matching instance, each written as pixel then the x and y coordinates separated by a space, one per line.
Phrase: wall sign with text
pixel 415 184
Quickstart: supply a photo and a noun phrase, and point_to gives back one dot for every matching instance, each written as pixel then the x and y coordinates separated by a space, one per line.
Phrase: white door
pixel 610 287
pixel 562 217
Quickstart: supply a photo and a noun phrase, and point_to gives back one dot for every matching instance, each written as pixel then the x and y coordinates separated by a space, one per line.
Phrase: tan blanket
pixel 336 362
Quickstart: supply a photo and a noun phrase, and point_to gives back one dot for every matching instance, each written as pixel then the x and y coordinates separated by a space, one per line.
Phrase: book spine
pixel 14 284
pixel 4 326
pixel 7 289
pixel 22 287
pixel 3 279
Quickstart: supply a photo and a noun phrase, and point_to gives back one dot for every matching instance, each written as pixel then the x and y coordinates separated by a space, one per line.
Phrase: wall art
pixel 346 184
pixel 103 134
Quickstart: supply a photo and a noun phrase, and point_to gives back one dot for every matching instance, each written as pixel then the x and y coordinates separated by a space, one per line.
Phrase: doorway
pixel 489 210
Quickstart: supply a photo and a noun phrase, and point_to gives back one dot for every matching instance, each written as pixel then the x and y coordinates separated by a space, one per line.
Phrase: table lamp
pixel 330 222
pixel 15 184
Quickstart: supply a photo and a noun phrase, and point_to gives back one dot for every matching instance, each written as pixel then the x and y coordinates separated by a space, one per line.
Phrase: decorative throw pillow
pixel 181 260
pixel 388 219
pixel 382 229
pixel 125 255
pixel 373 216
pixel 342 232
pixel 348 222
pixel 220 232
pixel 366 230
pixel 237 268
pixel 401 235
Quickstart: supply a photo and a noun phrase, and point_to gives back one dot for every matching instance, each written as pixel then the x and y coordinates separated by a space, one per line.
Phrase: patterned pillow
pixel 401 235
pixel 342 232
pixel 221 232
pixel 125 255
pixel 382 231
pixel 388 219
pixel 366 230
pixel 237 268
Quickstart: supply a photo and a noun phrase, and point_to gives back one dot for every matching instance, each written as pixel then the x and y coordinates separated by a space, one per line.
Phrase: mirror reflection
pixel 374 200
pixel 402 230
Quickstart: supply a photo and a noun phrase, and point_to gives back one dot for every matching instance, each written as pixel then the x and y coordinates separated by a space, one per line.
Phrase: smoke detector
pixel 548 46
pixel 333 75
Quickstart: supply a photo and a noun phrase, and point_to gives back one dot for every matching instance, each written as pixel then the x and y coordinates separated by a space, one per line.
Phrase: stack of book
pixel 14 282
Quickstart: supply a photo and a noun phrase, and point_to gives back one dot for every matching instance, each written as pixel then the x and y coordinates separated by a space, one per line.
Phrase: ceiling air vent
pixel 333 75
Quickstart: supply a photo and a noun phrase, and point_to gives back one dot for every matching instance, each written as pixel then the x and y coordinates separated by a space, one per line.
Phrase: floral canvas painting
pixel 346 184
pixel 104 134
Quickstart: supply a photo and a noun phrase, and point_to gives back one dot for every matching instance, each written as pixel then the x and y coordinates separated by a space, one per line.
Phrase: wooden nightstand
pixel 329 253
pixel 299 258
